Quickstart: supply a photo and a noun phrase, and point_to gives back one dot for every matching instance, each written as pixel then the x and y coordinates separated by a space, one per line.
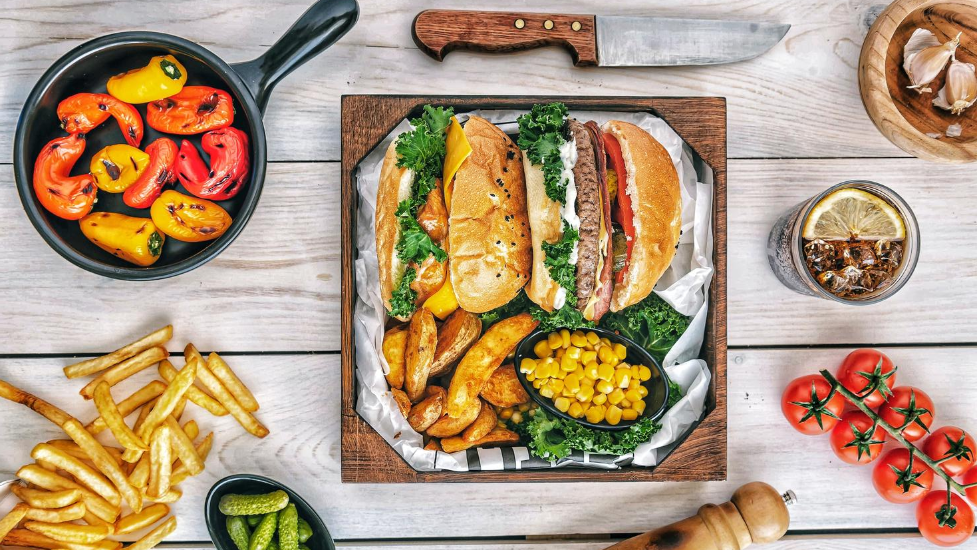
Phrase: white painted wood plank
pixel 299 395
pixel 788 543
pixel 799 99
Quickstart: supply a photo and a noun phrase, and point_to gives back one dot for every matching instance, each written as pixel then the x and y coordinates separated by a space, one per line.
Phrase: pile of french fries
pixel 80 492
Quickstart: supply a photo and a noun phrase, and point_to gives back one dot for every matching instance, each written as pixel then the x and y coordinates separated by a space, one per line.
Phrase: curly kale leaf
pixel 557 259
pixel 415 245
pixel 553 438
pixel 566 317
pixel 652 323
pixel 423 149
pixel 541 133
pixel 404 297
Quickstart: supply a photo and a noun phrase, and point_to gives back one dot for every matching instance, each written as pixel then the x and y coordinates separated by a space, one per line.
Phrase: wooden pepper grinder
pixel 757 513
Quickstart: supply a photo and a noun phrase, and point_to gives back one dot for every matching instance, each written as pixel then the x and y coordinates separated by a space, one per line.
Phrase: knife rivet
pixel 520 23
pixel 548 24
pixel 576 25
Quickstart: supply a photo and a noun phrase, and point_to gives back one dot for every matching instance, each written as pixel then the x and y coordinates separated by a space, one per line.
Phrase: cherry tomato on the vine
pixel 856 439
pixel 953 448
pixel 910 407
pixel 868 373
pixel 943 523
pixel 810 406
pixel 896 482
pixel 968 478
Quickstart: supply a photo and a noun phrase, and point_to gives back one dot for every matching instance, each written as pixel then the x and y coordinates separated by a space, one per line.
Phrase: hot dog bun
pixel 547 227
pixel 489 242
pixel 394 187
pixel 656 200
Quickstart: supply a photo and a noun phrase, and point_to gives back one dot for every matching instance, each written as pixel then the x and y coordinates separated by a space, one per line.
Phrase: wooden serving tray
pixel 701 121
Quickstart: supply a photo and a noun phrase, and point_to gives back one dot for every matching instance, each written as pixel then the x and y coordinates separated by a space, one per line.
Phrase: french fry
pixel 165 404
pixel 57 515
pixel 69 532
pixel 104 462
pixel 125 369
pixel 85 475
pixel 49 466
pixel 11 520
pixel 128 405
pixel 92 519
pixel 160 462
pixel 223 372
pixel 142 520
pixel 98 364
pixel 51 481
pixel 114 419
pixel 139 476
pixel 181 405
pixel 180 473
pixel 74 450
pixel 25 538
pixel 244 418
pixel 36 498
pixel 33 402
pixel 155 536
pixel 183 445
pixel 197 396
pixel 168 497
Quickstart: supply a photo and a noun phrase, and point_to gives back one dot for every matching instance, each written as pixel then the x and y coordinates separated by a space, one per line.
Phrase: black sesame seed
pixel 510 155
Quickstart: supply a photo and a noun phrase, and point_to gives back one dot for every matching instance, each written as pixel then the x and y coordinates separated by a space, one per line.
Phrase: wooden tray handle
pixel 437 32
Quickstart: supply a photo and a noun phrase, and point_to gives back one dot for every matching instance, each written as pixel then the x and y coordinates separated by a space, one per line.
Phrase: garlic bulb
pixel 960 90
pixel 925 58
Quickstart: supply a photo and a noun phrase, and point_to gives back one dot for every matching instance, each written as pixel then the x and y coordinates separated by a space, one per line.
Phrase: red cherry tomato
pixel 912 405
pixel 896 482
pixel 945 524
pixel 808 408
pixel 968 478
pixel 623 211
pixel 855 441
pixel 954 447
pixel 870 373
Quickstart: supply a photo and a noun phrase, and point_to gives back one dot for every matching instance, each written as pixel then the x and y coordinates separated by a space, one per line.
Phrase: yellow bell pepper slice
pixel 116 167
pixel 443 302
pixel 162 77
pixel 189 219
pixel 135 240
pixel 457 150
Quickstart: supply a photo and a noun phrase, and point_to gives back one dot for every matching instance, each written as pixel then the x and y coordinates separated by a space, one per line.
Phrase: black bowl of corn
pixel 250 512
pixel 594 376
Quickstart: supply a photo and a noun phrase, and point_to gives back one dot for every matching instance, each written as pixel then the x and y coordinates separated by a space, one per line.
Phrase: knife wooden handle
pixel 437 32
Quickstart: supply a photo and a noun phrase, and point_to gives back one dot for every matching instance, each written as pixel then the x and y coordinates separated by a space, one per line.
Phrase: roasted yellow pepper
pixel 116 167
pixel 443 302
pixel 457 150
pixel 189 219
pixel 162 77
pixel 135 240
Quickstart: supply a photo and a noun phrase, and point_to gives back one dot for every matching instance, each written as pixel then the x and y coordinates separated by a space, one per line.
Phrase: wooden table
pixel 271 301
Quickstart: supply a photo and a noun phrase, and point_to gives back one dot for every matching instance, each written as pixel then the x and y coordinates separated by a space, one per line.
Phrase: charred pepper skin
pixel 65 196
pixel 190 168
pixel 195 110
pixel 230 165
pixel 160 172
pixel 189 219
pixel 82 113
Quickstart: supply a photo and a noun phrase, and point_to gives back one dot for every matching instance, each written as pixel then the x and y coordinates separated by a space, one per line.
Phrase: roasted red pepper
pixel 64 196
pixel 229 165
pixel 81 113
pixel 196 109
pixel 161 171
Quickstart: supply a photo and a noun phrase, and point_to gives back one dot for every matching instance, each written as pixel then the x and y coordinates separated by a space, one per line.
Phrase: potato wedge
pixel 503 388
pixel 458 333
pixel 432 445
pixel 483 358
pixel 403 402
pixel 422 340
pixel 428 410
pixel 447 426
pixel 486 421
pixel 394 350
pixel 499 437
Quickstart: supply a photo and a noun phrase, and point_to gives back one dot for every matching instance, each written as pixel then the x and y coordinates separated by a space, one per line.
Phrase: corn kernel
pixel 506 414
pixel 586 406
pixel 642 391
pixel 593 338
pixel 586 381
pixel 605 354
pixel 556 385
pixel 568 364
pixel 578 339
pixel 599 398
pixel 645 373
pixel 554 340
pixel 588 356
pixel 605 372
pixel 620 351
pixel 590 370
pixel 605 341
pixel 575 410
pixel 572 382
pixel 622 377
pixel 613 415
pixel 632 395
pixel 638 406
pixel 561 374
pixel 595 414
pixel 530 376
pixel 616 396
pixel 546 392
pixel 538 383
pixel 624 365
pixel 567 393
pixel 565 335
pixel 634 384
pixel 624 404
pixel 635 372
pixel 629 414
pixel 542 349
pixel 585 393
pixel 516 417
pixel 528 365
pixel 603 386
pixel 573 352
pixel 614 361
pixel 562 404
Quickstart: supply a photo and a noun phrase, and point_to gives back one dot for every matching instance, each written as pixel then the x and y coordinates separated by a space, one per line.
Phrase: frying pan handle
pixel 317 29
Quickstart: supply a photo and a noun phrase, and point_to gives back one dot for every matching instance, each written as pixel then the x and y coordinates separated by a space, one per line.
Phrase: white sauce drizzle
pixel 568 210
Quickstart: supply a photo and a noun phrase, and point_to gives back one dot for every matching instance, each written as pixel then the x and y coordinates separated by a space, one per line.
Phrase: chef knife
pixel 605 41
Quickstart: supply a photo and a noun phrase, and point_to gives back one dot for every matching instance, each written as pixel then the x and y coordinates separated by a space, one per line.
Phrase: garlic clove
pixel 925 58
pixel 960 90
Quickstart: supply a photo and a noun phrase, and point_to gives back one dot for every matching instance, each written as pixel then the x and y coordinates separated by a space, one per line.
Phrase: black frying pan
pixel 88 67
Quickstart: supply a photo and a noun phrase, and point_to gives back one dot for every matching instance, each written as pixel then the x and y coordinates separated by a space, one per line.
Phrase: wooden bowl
pixel 904 116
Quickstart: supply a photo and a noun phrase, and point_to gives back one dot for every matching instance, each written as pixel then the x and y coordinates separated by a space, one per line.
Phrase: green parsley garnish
pixel 415 245
pixel 541 133
pixel 557 259
pixel 402 301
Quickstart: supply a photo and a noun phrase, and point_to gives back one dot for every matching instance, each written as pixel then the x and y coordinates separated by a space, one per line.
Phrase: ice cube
pixel 820 255
pixel 835 282
pixel 860 254
pixel 889 255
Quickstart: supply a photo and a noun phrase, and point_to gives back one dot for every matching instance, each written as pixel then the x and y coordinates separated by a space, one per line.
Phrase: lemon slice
pixel 854 214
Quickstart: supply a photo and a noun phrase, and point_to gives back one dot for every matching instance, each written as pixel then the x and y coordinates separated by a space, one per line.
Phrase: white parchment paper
pixel 684 285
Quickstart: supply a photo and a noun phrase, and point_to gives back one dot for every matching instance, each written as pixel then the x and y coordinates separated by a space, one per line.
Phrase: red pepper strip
pixel 623 213
pixel 229 165
pixel 64 196
pixel 190 168
pixel 161 171
pixel 196 109
pixel 81 113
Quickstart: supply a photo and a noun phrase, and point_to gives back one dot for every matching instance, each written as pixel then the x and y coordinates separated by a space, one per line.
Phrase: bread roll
pixel 656 198
pixel 547 227
pixel 394 187
pixel 489 242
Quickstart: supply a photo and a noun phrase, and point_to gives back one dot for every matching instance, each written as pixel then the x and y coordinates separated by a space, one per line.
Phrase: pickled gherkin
pixel 305 531
pixel 237 528
pixel 288 528
pixel 246 505
pixel 265 531
pixel 254 520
